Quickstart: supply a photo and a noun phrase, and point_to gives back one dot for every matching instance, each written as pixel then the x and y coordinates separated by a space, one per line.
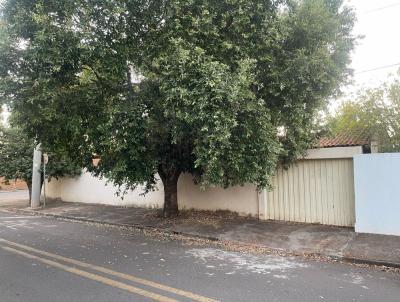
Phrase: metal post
pixel 45 161
pixel 36 177
pixel 44 184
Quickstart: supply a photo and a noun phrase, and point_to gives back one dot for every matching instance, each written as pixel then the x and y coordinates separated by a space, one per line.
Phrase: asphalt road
pixel 48 260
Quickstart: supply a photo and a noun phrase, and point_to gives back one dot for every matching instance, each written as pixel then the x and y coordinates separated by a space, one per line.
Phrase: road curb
pixel 371 262
pixel 353 260
pixel 102 222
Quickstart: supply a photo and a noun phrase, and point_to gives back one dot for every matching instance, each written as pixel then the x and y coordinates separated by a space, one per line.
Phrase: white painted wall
pixel 335 152
pixel 240 199
pixel 377 193
pixel 318 189
pixel 89 189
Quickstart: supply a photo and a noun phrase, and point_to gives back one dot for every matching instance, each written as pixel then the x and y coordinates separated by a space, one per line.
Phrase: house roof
pixel 345 139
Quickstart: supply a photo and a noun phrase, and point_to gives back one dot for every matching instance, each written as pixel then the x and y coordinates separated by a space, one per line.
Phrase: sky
pixel 379 23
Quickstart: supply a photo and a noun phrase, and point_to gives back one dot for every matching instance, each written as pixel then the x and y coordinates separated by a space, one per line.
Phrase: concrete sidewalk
pixel 299 239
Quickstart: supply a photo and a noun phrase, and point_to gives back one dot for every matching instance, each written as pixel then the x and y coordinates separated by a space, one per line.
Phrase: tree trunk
pixel 29 184
pixel 170 183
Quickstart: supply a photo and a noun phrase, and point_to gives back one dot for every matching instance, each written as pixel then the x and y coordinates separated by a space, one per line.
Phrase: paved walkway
pixel 299 239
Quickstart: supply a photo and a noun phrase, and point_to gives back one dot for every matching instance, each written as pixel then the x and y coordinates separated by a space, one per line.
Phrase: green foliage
pixel 375 112
pixel 16 152
pixel 15 155
pixel 218 78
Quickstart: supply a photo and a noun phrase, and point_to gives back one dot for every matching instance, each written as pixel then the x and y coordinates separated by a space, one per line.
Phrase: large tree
pixel 219 89
pixel 375 112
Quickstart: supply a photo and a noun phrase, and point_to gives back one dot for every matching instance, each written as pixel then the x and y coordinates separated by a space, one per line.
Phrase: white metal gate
pixel 313 191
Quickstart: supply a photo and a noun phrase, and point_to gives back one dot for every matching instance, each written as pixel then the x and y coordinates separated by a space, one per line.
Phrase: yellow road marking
pixel 173 290
pixel 94 277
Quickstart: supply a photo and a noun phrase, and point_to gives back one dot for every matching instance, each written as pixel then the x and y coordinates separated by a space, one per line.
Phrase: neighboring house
pixel 349 139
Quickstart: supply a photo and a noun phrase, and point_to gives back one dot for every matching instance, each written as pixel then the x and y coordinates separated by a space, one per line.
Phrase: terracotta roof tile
pixel 345 139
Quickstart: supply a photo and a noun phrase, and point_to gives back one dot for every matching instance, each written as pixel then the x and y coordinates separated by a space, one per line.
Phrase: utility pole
pixel 37 160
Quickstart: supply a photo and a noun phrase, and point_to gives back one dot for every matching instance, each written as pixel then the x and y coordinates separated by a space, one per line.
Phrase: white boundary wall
pixel 319 205
pixel 89 189
pixel 377 193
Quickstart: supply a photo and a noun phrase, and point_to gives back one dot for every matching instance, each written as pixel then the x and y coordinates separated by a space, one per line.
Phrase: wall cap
pixel 332 153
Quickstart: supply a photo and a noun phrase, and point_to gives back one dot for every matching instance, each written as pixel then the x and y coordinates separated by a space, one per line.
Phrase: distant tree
pixel 375 112
pixel 16 152
pixel 169 87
